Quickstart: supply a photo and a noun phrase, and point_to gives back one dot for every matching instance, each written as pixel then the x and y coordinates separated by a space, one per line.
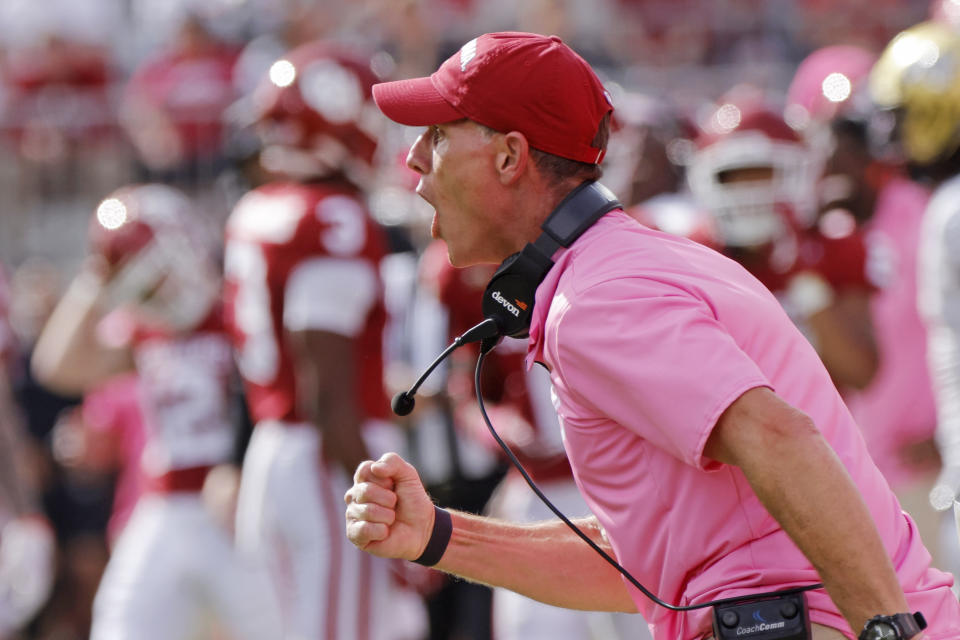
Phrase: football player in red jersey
pixel 755 176
pixel 147 300
pixel 306 312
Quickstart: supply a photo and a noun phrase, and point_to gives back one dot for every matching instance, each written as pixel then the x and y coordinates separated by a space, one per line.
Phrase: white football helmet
pixel 754 211
pixel 159 264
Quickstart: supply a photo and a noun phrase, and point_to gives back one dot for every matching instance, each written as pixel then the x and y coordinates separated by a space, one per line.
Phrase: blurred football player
pixel 754 174
pixel 306 312
pixel 918 77
pixel 829 101
pixel 171 108
pixel 147 299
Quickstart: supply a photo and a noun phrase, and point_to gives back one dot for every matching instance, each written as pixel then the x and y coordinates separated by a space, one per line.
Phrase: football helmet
pixel 751 210
pixel 829 102
pixel 315 115
pixel 157 262
pixel 831 82
pixel 918 74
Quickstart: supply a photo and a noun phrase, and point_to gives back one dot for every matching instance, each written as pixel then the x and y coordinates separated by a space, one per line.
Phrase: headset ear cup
pixel 509 296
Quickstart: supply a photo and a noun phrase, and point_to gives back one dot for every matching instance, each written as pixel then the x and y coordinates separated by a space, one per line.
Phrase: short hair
pixel 558 169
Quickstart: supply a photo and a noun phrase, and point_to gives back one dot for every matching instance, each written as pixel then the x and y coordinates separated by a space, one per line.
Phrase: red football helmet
pixel 315 115
pixel 753 173
pixel 158 264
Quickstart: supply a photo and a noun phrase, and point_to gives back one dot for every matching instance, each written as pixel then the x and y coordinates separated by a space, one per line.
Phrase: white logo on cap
pixel 467 53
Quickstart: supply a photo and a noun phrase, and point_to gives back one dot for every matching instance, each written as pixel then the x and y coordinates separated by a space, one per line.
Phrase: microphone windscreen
pixel 402 403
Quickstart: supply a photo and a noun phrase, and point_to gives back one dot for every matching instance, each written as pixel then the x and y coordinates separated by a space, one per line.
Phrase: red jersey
pixel 835 250
pixel 59 88
pixel 840 259
pixel 275 233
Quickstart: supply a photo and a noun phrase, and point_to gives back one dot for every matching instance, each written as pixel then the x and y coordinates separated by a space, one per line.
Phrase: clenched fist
pixel 389 513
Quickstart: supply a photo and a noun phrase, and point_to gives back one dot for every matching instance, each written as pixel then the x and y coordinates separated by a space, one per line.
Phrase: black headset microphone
pixel 402 403
pixel 507 310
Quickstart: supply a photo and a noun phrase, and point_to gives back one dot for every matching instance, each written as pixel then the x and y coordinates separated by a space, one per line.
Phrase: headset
pixel 507 309
pixel 509 296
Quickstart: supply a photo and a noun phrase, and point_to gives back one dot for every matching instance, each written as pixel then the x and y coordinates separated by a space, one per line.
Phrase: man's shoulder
pixel 618 247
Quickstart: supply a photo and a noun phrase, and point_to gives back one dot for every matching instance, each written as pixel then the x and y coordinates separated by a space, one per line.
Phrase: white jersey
pixel 184 384
pixel 939 304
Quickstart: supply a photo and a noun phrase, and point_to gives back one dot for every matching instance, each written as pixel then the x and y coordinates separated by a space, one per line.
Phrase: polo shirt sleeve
pixel 651 357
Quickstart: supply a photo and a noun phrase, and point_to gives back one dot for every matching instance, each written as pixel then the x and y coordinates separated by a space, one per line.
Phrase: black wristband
pixel 439 538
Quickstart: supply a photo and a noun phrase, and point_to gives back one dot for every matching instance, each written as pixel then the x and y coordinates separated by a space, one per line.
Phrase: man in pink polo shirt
pixel 705 434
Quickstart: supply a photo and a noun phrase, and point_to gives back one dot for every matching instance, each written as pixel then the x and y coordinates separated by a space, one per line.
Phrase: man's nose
pixel 418 158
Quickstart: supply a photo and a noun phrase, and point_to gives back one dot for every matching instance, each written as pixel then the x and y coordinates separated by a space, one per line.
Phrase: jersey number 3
pixel 343 233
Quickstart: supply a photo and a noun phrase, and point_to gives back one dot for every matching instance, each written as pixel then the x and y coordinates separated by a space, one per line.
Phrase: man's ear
pixel 513 156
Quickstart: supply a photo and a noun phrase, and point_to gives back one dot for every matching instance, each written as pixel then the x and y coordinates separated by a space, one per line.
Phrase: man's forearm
pixel 68 356
pixel 815 501
pixel 390 515
pixel 803 484
pixel 544 561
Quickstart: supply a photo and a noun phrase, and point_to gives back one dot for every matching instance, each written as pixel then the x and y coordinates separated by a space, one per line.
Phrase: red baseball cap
pixel 509 81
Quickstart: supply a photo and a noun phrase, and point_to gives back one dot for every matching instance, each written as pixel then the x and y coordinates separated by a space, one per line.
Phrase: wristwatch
pixel 900 626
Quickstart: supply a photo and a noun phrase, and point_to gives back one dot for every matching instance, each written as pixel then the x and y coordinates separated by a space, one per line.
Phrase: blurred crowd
pixel 756 127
